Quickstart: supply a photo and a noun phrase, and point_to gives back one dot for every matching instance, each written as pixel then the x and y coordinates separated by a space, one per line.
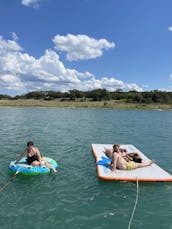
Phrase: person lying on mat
pixel 34 157
pixel 119 162
pixel 122 152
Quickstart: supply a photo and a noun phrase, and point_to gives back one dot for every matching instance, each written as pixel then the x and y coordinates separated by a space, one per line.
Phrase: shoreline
pixel 111 104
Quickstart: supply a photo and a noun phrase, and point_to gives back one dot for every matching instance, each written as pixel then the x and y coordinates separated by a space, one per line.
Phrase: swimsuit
pixel 131 165
pixel 31 159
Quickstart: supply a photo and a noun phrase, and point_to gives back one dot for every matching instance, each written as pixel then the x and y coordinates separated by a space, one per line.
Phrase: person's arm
pixel 115 158
pixel 39 155
pixel 20 157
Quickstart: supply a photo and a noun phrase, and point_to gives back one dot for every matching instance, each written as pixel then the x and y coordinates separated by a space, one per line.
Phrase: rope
pixel 6 185
pixel 137 196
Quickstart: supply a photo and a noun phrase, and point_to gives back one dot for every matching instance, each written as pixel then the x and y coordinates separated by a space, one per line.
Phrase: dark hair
pixel 30 143
pixel 115 146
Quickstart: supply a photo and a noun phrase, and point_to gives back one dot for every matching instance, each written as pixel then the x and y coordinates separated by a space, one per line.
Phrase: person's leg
pixel 49 165
pixel 143 164
pixel 35 163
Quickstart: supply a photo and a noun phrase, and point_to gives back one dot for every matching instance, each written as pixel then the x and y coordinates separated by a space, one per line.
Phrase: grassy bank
pixel 112 104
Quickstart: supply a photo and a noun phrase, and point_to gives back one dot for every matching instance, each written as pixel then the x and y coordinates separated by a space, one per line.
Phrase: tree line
pixel 155 96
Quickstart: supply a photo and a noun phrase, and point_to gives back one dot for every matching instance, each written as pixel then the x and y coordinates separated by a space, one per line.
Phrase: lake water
pixel 75 198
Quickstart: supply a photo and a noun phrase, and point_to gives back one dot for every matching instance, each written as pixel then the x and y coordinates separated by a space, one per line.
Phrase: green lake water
pixel 75 198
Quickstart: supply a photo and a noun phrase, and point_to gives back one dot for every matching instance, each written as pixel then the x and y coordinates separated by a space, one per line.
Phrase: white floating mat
pixel 150 173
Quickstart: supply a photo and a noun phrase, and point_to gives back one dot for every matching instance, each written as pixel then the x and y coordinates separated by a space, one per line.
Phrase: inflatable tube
pixel 23 168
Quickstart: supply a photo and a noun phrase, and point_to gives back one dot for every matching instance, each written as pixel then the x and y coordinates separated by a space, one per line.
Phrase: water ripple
pixel 75 197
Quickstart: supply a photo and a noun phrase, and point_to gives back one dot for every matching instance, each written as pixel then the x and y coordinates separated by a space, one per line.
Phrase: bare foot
pixel 151 162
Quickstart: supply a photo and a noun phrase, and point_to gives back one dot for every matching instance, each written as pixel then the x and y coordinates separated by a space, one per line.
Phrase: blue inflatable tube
pixel 23 168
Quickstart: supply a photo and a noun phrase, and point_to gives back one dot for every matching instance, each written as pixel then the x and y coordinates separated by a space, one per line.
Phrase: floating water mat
pixel 150 173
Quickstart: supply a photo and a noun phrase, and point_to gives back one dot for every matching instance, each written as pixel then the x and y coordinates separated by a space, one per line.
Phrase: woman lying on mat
pixel 119 162
pixel 123 152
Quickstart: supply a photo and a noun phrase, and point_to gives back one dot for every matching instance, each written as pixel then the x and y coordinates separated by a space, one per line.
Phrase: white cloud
pixel 80 47
pixel 14 36
pixel 145 86
pixel 11 82
pixel 34 3
pixel 21 73
pixel 9 45
pixel 170 28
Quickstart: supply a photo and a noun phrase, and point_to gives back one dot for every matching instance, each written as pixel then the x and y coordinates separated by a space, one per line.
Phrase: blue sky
pixel 85 44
